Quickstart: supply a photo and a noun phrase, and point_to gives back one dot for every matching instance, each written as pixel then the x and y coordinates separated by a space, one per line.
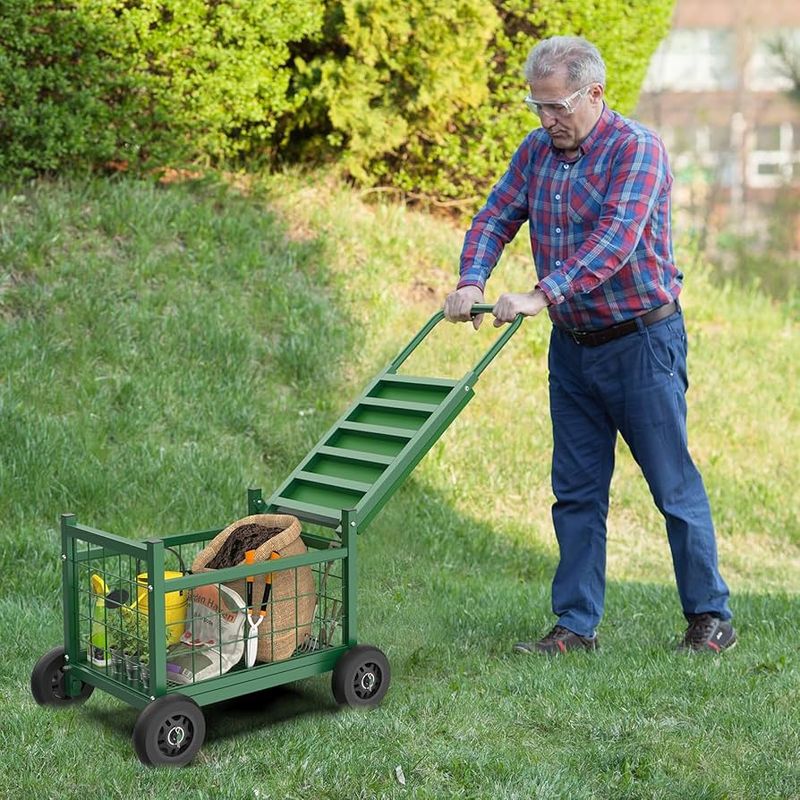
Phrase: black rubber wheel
pixel 169 731
pixel 361 677
pixel 48 681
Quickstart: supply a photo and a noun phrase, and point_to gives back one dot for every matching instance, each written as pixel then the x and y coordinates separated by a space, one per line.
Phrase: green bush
pixel 384 77
pixel 424 95
pixel 83 82
pixel 61 100
pixel 427 96
pixel 215 72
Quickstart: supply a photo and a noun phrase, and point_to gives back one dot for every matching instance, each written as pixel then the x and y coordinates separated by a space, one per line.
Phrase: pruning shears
pixel 255 620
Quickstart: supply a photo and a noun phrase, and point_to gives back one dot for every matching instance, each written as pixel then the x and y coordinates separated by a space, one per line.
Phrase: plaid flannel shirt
pixel 599 225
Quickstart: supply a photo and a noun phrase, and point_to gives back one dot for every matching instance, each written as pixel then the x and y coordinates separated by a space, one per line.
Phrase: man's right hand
pixel 457 305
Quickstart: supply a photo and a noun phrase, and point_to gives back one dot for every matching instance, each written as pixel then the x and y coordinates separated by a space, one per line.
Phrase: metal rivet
pixel 66 657
pixel 352 524
pixel 149 588
pixel 63 556
pixel 152 697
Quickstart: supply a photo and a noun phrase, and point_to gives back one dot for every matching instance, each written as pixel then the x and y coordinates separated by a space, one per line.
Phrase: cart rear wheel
pixel 49 681
pixel 361 677
pixel 169 731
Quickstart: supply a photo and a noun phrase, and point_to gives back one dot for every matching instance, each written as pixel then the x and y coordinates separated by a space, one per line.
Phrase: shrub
pixel 423 95
pixel 427 97
pixel 214 73
pixel 384 77
pixel 143 81
pixel 61 100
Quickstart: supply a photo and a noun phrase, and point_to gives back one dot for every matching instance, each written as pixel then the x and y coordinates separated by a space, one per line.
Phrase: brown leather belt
pixel 595 338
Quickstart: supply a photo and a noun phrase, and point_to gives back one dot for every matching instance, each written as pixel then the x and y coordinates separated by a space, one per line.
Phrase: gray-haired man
pixel 595 190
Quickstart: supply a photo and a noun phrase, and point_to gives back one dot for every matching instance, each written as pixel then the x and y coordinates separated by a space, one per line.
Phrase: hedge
pixel 84 82
pixel 423 95
pixel 427 96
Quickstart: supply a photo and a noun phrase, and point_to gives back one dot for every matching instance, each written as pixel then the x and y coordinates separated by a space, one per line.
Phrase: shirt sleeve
pixel 496 224
pixel 640 173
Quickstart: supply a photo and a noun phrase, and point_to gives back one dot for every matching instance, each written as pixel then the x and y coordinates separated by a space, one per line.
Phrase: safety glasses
pixel 557 108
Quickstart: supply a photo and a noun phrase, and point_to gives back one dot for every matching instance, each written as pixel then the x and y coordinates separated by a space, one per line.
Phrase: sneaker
pixel 707 632
pixel 558 641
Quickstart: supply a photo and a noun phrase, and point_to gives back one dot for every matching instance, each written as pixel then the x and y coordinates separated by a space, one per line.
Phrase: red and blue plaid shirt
pixel 599 225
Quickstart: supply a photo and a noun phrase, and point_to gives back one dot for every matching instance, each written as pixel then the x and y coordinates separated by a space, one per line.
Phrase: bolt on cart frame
pixel 339 487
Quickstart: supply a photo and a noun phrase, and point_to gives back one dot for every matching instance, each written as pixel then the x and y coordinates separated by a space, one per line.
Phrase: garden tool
pixel 251 645
pixel 98 637
pixel 98 651
pixel 252 634
pixel 268 584
pixel 326 634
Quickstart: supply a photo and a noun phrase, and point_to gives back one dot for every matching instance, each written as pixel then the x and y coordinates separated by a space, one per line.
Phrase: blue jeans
pixel 635 385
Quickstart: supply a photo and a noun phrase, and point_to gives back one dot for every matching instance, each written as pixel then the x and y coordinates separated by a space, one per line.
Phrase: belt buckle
pixel 578 336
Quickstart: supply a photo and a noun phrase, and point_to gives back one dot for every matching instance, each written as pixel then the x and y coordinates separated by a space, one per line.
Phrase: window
pixel 768 137
pixel 772 158
pixel 694 60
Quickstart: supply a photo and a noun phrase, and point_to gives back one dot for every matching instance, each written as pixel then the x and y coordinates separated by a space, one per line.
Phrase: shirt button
pixel 558 263
pixel 558 197
pixel 558 230
pixel 566 166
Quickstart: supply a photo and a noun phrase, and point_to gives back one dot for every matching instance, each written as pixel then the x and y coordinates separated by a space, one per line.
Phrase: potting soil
pixel 248 537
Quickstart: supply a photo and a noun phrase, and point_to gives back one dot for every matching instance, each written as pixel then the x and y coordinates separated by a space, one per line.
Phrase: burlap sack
pixel 293 597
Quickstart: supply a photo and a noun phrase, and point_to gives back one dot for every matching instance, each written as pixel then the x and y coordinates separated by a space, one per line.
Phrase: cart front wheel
pixel 49 681
pixel 169 732
pixel 361 677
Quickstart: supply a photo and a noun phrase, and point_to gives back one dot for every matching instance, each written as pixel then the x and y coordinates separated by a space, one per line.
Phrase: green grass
pixel 163 349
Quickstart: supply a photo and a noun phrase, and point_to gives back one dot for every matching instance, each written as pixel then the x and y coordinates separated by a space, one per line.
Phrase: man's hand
pixel 457 305
pixel 508 306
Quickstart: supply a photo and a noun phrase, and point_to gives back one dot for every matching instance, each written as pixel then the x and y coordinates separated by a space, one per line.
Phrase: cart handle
pixel 478 308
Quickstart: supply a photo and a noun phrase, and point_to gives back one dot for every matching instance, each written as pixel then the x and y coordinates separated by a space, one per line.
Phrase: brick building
pixel 719 97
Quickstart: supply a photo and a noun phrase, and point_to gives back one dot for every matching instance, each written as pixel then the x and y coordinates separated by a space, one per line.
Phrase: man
pixel 595 190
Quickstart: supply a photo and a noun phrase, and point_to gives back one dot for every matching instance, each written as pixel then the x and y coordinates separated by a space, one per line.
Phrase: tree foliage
pixel 427 96
pixel 785 49
pixel 424 95
pixel 146 81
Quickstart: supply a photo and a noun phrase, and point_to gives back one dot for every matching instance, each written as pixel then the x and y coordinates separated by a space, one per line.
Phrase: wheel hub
pixel 175 735
pixel 367 681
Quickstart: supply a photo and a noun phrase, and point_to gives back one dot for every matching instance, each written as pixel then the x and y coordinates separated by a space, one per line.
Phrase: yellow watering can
pixel 175 603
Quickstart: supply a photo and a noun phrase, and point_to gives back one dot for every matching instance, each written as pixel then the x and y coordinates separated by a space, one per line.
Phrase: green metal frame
pixel 152 553
pixel 398 431
pixel 410 427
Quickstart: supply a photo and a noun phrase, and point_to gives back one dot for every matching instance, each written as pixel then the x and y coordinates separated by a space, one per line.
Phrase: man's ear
pixel 597 93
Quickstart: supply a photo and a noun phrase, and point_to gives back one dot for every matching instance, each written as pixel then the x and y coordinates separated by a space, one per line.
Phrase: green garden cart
pixel 134 593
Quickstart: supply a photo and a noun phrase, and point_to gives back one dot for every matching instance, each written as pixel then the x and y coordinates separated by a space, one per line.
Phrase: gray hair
pixel 580 58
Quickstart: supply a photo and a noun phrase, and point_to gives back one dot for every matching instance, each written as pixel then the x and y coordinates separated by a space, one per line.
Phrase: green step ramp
pixel 380 438
pixel 359 462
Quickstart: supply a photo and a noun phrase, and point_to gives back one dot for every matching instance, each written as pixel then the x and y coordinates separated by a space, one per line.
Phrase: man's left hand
pixel 508 306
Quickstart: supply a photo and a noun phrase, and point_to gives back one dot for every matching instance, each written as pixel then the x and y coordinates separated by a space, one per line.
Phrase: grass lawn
pixel 163 349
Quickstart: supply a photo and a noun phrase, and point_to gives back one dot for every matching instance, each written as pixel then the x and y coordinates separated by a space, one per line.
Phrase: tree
pixel 426 96
pixel 786 49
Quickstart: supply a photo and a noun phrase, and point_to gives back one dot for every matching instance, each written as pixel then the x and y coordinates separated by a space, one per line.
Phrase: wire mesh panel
pixel 328 623
pixel 111 594
pixel 224 622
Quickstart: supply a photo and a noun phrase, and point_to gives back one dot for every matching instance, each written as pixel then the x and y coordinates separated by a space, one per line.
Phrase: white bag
pixel 213 641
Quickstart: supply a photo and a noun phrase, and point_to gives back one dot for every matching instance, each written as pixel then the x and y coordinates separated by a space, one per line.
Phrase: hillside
pixel 164 348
